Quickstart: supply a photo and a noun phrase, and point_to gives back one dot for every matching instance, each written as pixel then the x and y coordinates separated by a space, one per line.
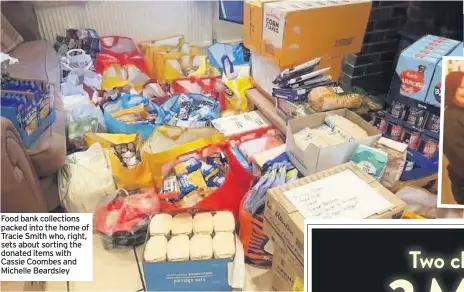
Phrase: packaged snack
pixel 219 161
pixel 156 249
pixel 215 181
pixel 224 245
pixel 208 171
pixel 190 182
pixel 203 113
pixel 224 221
pixel 203 223
pixel 178 248
pixel 254 146
pixel 170 184
pixel 345 125
pixel 243 161
pixel 182 224
pixel 160 224
pixel 188 166
pixel 201 247
pixel 183 106
pixel 193 198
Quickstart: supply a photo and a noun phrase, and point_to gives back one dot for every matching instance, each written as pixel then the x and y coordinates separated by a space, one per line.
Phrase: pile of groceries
pixel 166 152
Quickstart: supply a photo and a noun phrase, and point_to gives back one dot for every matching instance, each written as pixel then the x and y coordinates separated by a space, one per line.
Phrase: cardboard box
pixel 433 96
pixel 286 274
pixel 233 125
pixel 288 222
pixel 417 65
pixel 314 159
pixel 24 286
pixel 264 72
pixel 289 33
pixel 195 275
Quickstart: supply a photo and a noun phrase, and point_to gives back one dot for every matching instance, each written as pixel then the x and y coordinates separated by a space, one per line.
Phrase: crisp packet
pixel 183 106
pixel 204 113
pixel 191 182
pixel 215 181
pixel 170 184
pixel 187 166
pixel 218 160
pixel 208 171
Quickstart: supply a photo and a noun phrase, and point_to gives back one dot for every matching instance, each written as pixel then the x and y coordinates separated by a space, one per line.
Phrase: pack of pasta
pixel 187 244
pixel 327 139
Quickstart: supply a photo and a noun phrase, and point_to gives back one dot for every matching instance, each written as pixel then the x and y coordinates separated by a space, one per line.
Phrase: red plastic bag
pixel 123 219
pixel 226 197
pixel 209 86
pixel 119 50
pixel 243 176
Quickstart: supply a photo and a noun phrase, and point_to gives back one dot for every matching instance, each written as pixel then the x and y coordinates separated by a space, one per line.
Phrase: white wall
pixel 142 20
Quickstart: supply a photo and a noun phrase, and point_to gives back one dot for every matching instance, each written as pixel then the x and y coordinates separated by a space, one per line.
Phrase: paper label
pixel 343 196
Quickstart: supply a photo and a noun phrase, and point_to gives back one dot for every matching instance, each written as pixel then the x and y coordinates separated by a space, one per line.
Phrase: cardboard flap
pixel 395 145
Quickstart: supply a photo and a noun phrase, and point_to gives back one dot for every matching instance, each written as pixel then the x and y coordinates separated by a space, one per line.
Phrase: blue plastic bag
pixel 194 116
pixel 127 101
pixel 222 55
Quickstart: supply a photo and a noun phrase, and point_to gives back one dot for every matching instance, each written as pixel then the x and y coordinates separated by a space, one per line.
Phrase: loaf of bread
pixel 325 99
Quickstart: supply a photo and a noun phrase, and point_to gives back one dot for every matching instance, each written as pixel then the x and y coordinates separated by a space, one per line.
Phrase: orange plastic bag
pixel 254 240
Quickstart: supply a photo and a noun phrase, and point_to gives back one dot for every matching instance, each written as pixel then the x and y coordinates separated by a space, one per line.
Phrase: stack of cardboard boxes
pixel 284 219
pixel 283 34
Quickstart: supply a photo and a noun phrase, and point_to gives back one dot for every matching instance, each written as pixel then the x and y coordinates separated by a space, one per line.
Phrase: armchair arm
pixel 20 188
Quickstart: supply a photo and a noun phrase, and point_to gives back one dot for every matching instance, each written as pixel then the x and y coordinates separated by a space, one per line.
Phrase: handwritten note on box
pixel 340 196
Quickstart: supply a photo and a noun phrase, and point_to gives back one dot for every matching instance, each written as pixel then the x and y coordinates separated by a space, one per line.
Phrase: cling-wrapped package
pixel 122 218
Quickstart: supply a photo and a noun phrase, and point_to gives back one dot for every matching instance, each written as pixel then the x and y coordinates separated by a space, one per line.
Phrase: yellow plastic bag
pixel 167 143
pixel 126 178
pixel 235 93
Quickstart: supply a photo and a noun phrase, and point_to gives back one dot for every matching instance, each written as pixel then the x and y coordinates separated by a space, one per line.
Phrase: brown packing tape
pixel 289 223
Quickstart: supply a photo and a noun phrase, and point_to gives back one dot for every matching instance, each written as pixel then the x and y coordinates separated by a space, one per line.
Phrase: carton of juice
pixel 416 66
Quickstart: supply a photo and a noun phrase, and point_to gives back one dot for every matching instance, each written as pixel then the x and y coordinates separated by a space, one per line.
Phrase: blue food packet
pixel 188 166
pixel 238 154
pixel 215 181
pixel 190 182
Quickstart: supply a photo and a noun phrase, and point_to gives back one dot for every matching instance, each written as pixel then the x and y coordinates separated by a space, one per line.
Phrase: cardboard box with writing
pixel 287 269
pixel 314 159
pixel 289 33
pixel 288 222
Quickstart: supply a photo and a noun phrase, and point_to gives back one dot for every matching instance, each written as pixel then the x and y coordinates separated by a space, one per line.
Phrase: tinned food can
pixel 433 123
pixel 380 122
pixel 411 138
pixel 416 116
pixel 394 131
pixel 398 110
pixel 428 147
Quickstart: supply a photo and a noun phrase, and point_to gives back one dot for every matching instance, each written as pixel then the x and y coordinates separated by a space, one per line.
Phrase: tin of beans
pixel 394 131
pixel 433 123
pixel 411 138
pixel 428 147
pixel 416 116
pixel 380 122
pixel 398 110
